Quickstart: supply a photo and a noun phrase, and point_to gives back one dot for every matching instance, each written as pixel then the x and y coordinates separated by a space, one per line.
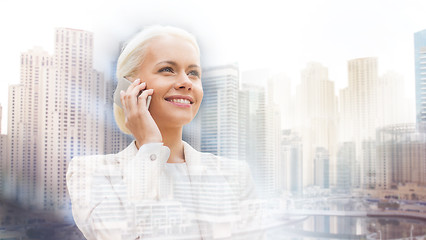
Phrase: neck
pixel 172 138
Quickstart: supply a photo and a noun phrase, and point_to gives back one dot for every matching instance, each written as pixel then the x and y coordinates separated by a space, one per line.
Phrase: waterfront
pixel 301 219
pixel 337 227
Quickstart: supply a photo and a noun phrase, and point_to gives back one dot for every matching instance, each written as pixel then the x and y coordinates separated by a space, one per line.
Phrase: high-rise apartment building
pixel 316 118
pixel 244 142
pixel 77 116
pixel 252 117
pixel 345 162
pixel 321 166
pixel 3 155
pixel 362 84
pixel 420 73
pixel 392 105
pixel 55 113
pixel 273 129
pixel 259 128
pixel 26 106
pixel 219 111
pixel 256 143
pixel 291 170
pixel 359 106
pixel 401 156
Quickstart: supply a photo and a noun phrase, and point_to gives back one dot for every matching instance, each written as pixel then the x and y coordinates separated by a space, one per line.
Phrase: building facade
pixel 219 111
pixel 3 155
pixel 24 129
pixel 55 113
pixel 316 118
pixel 401 156
pixel 420 74
pixel 360 110
pixel 292 167
pixel 256 143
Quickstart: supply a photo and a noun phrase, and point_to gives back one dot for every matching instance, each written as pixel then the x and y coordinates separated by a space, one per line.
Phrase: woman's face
pixel 172 68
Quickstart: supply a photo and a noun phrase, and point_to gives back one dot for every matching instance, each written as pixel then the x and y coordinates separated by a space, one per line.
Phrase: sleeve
pixel 103 191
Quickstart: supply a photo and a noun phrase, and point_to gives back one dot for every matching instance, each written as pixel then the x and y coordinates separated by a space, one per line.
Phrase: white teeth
pixel 185 101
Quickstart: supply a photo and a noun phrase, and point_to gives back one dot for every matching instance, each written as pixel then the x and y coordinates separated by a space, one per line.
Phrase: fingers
pixel 133 85
pixel 142 99
pixel 131 101
pixel 137 88
pixel 131 94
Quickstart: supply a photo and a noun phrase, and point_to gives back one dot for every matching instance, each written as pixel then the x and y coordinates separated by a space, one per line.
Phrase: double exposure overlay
pixel 267 156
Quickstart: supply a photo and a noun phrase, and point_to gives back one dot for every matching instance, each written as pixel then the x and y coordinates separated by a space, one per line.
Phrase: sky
pixel 278 36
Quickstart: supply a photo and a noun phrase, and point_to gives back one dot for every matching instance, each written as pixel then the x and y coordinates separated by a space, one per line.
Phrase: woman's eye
pixel 166 69
pixel 194 73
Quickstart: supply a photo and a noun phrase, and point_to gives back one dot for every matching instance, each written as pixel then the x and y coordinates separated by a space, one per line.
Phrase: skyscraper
pixel 55 114
pixel 259 128
pixel 360 108
pixel 76 117
pixel 362 84
pixel 316 118
pixel 292 167
pixel 321 166
pixel 420 73
pixel 3 154
pixel 345 162
pixel 273 129
pixel 219 111
pixel 25 109
pixel 257 142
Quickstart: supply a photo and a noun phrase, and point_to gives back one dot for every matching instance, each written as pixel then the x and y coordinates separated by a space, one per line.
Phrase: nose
pixel 183 81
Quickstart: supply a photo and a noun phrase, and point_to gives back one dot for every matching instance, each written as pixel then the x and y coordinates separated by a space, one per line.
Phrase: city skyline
pixel 57 115
pixel 251 107
pixel 307 34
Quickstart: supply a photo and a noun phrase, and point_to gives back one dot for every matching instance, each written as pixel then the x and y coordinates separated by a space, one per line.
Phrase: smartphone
pixel 123 84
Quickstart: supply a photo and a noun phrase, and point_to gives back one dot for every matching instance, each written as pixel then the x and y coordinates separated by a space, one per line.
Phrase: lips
pixel 180 99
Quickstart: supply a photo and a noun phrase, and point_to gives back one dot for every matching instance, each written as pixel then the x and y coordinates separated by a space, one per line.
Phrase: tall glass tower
pixel 420 71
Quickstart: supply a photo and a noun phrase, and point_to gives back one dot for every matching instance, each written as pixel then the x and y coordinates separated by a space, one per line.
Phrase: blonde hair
pixel 133 55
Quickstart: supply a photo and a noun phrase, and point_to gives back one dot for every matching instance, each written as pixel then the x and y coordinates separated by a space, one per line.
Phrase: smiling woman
pixel 159 187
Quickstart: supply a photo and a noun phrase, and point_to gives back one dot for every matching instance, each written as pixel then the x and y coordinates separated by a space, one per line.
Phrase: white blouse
pixel 136 194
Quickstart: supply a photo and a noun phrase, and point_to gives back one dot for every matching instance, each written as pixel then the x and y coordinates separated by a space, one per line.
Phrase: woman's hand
pixel 137 117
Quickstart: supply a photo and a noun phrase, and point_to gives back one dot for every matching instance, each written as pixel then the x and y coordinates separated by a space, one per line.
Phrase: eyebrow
pixel 175 64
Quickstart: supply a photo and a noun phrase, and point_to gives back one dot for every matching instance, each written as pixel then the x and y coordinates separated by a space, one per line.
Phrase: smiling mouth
pixel 179 100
